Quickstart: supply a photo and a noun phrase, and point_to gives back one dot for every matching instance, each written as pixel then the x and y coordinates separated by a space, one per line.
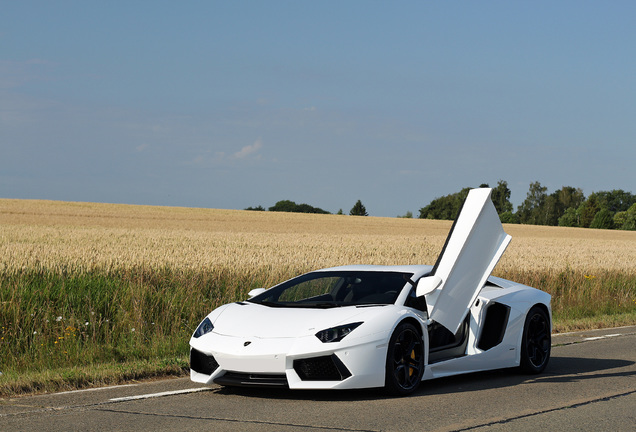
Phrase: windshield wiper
pixel 323 305
pixel 269 303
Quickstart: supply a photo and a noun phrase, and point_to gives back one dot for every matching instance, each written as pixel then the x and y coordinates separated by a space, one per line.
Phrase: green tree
pixel 616 200
pixel 603 219
pixel 259 208
pixel 551 211
pixel 501 197
pixel 358 209
pixel 588 210
pixel 408 215
pixel 290 206
pixel 530 211
pixel 508 217
pixel 570 218
pixel 446 207
pixel 626 220
pixel 558 202
pixel 571 197
pixel 284 206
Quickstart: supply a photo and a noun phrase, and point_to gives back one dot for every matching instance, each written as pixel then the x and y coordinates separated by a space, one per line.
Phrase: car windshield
pixel 336 288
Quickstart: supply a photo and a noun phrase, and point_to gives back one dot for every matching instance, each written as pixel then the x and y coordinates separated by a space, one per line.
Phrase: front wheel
pixel 404 360
pixel 536 340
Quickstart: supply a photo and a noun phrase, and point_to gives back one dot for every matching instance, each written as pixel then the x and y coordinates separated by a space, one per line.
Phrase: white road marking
pixel 602 337
pixel 591 330
pixel 154 395
pixel 96 389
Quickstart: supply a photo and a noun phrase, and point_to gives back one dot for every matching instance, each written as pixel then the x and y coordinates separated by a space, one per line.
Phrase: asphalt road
pixel 589 384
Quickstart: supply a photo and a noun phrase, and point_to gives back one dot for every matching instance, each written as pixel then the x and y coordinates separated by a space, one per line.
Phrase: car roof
pixel 416 269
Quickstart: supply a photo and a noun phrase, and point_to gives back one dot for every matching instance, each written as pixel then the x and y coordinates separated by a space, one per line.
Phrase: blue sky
pixel 236 104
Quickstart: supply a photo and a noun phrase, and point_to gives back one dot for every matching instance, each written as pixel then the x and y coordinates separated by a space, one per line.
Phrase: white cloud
pixel 218 159
pixel 249 149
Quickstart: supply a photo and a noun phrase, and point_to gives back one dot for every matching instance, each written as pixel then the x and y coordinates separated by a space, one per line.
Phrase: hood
pixel 253 320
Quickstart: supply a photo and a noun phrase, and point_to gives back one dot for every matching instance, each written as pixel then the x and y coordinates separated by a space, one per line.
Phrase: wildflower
pixel 133 329
pixel 58 319
pixel 86 323
pixel 35 332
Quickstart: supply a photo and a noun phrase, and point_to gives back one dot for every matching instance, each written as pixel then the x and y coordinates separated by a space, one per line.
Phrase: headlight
pixel 204 328
pixel 336 334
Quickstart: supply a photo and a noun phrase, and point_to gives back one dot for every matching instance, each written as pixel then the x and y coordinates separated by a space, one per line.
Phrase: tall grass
pixel 51 320
pixel 583 300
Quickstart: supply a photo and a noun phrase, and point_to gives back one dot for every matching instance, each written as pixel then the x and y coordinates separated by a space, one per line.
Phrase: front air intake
pixel 202 363
pixel 326 368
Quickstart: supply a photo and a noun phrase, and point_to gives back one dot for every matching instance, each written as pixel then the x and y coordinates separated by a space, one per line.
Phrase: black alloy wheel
pixel 535 344
pixel 405 360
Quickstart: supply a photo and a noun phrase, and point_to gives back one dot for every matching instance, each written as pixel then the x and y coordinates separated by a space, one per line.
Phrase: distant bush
pixel 290 206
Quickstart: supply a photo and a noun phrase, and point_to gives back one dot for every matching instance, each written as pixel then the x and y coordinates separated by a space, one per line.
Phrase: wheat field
pixel 79 237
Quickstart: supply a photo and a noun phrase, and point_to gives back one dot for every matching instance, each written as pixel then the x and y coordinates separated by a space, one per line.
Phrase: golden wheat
pixel 80 237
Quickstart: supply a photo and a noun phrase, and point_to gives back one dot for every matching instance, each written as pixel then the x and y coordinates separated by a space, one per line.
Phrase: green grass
pixel 63 330
pixel 14 383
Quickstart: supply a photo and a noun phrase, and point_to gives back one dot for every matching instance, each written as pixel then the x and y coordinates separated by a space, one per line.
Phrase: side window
pixel 415 302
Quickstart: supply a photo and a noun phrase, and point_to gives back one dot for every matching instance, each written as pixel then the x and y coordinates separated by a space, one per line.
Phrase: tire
pixel 404 360
pixel 536 340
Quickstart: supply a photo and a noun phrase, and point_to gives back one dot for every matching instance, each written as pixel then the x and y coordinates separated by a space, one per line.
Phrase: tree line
pixel 358 208
pixel 567 207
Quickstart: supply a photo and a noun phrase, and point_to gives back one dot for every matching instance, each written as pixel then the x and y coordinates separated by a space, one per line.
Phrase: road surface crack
pixel 223 419
pixel 561 408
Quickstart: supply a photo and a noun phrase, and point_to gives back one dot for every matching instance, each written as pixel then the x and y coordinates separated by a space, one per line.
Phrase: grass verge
pixel 13 383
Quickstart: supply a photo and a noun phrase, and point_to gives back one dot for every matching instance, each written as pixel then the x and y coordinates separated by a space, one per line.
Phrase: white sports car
pixel 393 326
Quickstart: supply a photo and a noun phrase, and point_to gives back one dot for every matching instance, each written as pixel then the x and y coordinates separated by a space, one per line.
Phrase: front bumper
pixel 297 363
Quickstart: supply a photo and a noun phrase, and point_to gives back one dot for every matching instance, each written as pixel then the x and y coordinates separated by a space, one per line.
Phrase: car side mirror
pixel 427 285
pixel 255 292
